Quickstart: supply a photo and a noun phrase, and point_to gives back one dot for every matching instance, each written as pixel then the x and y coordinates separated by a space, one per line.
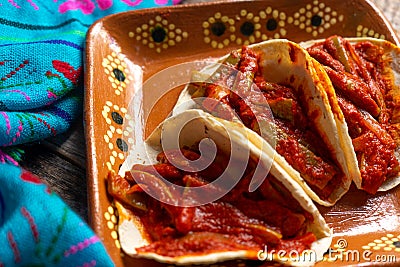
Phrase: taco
pixel 161 217
pixel 309 131
pixel 365 75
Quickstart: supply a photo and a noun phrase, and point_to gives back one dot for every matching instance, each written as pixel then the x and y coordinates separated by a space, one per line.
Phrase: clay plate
pixel 126 49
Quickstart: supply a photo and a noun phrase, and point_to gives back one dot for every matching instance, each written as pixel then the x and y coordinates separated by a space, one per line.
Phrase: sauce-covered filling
pixel 248 93
pixel 240 220
pixel 358 76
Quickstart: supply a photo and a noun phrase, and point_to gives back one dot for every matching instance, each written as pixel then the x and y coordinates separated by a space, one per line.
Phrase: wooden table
pixel 61 161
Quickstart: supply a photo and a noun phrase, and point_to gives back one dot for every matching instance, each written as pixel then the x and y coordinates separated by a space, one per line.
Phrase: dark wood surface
pixel 61 161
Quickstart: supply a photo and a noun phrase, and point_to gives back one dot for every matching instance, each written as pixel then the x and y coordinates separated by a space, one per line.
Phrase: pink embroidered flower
pixel 104 4
pixel 161 2
pixel 132 2
pixel 86 6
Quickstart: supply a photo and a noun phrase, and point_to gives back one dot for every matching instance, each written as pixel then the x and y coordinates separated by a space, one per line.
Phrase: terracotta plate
pixel 126 49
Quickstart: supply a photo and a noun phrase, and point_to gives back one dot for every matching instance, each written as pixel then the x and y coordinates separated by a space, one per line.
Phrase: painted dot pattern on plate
pixel 158 34
pixel 219 30
pixel 315 18
pixel 111 217
pixel 249 28
pixel 246 27
pixel 274 22
pixel 117 136
pixel 118 73
pixel 388 242
pixel 366 32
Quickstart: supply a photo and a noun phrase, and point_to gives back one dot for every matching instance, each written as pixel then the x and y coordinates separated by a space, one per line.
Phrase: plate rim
pixel 92 166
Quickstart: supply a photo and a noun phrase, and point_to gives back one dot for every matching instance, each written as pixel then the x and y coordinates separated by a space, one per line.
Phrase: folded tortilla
pixel 329 164
pixel 226 223
pixel 365 73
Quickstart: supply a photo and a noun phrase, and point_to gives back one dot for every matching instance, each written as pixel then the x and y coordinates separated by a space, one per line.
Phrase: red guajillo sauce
pixel 356 71
pixel 296 139
pixel 240 220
